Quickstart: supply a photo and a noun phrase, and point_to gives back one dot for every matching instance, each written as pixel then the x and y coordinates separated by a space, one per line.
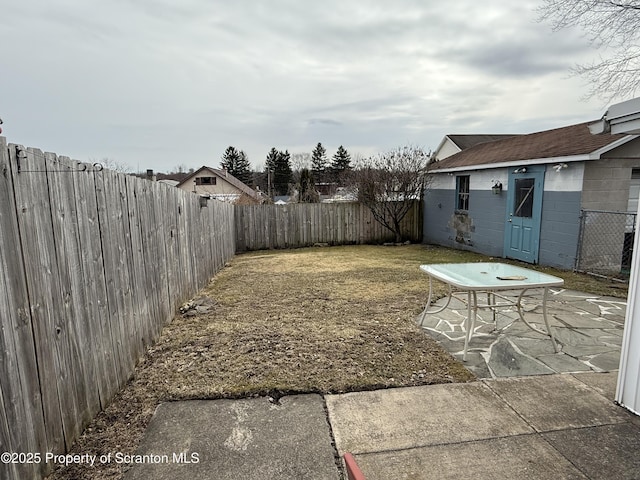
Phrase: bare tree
pixel 610 24
pixel 389 183
pixel 115 165
pixel 300 161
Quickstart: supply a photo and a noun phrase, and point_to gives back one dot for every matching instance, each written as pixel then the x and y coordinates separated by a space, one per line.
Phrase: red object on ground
pixel 353 472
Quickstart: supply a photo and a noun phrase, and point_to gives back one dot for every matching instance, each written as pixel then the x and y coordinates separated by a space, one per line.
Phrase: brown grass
pixel 322 320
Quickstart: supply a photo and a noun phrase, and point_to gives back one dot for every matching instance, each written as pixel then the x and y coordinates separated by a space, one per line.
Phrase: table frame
pixel 473 305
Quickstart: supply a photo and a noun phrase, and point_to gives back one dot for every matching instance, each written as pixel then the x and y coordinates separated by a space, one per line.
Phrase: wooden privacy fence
pixel 92 264
pixel 261 227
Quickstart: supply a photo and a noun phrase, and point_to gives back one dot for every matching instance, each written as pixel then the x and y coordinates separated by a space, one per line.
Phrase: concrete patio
pixel 588 329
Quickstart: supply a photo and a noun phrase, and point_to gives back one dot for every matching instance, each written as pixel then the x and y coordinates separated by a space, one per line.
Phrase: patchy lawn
pixel 324 320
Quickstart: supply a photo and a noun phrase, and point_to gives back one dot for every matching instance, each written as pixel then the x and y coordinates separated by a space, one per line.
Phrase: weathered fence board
pixel 93 279
pixel 36 235
pixel 78 371
pixel 92 265
pixel 19 380
pixel 259 227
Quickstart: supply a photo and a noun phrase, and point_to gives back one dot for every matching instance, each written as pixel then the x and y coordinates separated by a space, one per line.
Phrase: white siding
pixel 447 149
pixel 564 180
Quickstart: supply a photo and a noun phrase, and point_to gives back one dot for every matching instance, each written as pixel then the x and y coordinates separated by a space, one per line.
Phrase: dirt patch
pixel 324 320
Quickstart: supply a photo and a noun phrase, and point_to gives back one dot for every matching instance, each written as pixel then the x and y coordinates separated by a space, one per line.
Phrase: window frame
pixel 463 192
pixel 211 182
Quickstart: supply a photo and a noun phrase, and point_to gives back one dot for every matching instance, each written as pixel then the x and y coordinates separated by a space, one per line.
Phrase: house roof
pixel 574 140
pixel 178 177
pixel 467 141
pixel 226 176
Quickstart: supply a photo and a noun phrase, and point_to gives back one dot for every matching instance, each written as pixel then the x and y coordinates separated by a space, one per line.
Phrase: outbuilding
pixel 524 196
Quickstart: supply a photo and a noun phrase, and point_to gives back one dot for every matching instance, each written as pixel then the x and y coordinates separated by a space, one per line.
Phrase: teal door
pixel 524 211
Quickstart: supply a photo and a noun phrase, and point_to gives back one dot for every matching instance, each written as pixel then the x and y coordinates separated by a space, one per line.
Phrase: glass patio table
pixel 489 278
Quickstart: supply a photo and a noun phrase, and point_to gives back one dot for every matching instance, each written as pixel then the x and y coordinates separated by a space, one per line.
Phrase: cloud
pixel 119 79
pixel 324 122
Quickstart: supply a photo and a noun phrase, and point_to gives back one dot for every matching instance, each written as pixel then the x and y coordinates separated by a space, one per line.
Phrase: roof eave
pixel 610 146
pixel 515 163
pixel 191 175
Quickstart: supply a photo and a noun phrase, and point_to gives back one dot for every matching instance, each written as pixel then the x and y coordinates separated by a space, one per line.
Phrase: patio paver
pixel 588 329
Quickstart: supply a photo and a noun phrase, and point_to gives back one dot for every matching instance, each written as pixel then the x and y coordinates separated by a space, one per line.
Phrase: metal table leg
pixel 548 333
pixel 546 321
pixel 426 308
pixel 470 321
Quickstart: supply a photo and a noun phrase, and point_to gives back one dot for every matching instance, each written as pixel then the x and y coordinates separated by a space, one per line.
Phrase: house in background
pixel 521 197
pixel 219 184
pixel 452 144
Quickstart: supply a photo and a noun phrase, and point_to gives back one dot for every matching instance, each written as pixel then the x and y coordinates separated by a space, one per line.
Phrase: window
pixel 206 181
pixel 634 191
pixel 523 200
pixel 462 192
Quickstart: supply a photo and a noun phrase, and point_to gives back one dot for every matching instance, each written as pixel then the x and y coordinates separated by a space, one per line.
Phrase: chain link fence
pixel 605 245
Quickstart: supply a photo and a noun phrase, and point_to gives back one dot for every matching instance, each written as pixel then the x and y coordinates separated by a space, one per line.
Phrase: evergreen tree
pixel 319 160
pixel 278 169
pixel 282 173
pixel 269 169
pixel 243 169
pixel 341 163
pixel 230 160
pixel 272 158
pixel 237 164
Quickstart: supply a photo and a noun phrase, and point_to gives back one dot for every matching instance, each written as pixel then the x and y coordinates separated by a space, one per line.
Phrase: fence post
pixel 580 241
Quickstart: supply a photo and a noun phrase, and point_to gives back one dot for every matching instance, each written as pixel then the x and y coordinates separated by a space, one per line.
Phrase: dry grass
pixel 322 320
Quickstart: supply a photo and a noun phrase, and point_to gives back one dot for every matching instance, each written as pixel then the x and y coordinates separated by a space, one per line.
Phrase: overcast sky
pixel 159 83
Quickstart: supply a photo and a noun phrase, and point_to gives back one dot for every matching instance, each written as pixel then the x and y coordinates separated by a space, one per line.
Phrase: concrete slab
pixel 556 402
pixel 603 383
pixel 248 439
pixel 605 452
pixel 525 456
pixel 395 419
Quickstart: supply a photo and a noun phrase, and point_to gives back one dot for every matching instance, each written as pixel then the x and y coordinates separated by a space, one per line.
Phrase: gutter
pixel 515 163
pixel 621 117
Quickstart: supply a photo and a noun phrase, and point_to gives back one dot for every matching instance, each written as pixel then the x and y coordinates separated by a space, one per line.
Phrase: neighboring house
pixel 218 184
pixel 341 195
pixel 281 199
pixel 521 197
pixel 452 144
